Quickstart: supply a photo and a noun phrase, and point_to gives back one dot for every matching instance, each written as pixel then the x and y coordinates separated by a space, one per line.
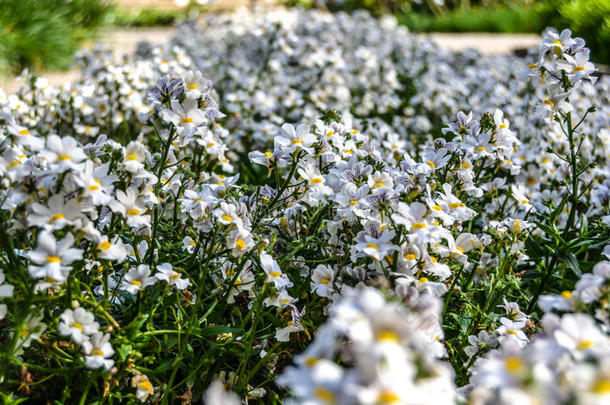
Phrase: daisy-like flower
pixel 322 280
pixel 240 241
pixel 519 194
pixel 56 214
pixel 98 350
pixel 273 272
pixel 166 273
pixel 294 139
pixel 137 278
pixel 135 157
pixel 31 330
pixel 78 324
pixel 227 215
pixel 143 387
pixel 380 180
pixel 186 116
pixel 195 84
pixel 64 152
pixel 111 250
pixel 52 259
pixel 579 334
pixel 130 205
pixel 243 282
pixel 376 247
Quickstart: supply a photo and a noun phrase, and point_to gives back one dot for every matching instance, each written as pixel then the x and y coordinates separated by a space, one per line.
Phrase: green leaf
pixel 571 262
pixel 123 351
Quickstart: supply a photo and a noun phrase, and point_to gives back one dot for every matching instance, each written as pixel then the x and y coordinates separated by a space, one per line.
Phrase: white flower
pixel 137 279
pixel 273 272
pixel 97 350
pixel 52 259
pixel 322 280
pixel 131 207
pixel 65 152
pixel 135 157
pixel 292 140
pixel 143 387
pixel 31 330
pixel 167 274
pixel 376 247
pixel 78 324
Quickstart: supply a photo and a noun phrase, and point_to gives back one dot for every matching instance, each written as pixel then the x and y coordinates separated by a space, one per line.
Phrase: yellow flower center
pixel 481 149
pixel 56 217
pixel 372 245
pixel 325 281
pixel 94 187
pixel 64 157
pixel 133 211
pixel 192 87
pixel 240 244
pixel 136 282
pixel 431 164
pixel 456 205
pixel 579 68
pixel 419 225
pixel 584 345
pixel 105 245
pixel 53 259
pixel 324 394
pixel 311 361
pixel 387 397
pixel 437 207
pixel 410 256
pixel 77 326
pixel 186 120
pixel 378 184
pixel 268 155
pixel 602 387
pixel 97 352
pixel 353 202
pixel 300 142
pixel 227 218
pixel 465 165
pixel 386 336
pixel 566 294
pixel 145 385
pixel 513 364
pixel 549 102
pixel 316 180
pixel 174 276
pixel 131 157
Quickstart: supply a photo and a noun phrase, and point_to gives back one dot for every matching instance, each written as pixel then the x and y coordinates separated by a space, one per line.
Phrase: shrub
pixel 45 33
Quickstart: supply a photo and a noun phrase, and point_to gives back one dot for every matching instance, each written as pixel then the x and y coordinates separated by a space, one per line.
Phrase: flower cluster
pixel 391 355
pixel 297 186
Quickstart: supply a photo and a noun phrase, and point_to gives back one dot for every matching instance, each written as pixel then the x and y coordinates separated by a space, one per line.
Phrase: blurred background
pixel 42 35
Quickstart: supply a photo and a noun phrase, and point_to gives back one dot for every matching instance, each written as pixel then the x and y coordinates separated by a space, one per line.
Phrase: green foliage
pixel 147 17
pixel 45 33
pixel 589 19
pixel 512 20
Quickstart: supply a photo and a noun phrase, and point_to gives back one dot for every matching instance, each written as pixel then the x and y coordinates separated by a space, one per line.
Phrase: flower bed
pixel 300 208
